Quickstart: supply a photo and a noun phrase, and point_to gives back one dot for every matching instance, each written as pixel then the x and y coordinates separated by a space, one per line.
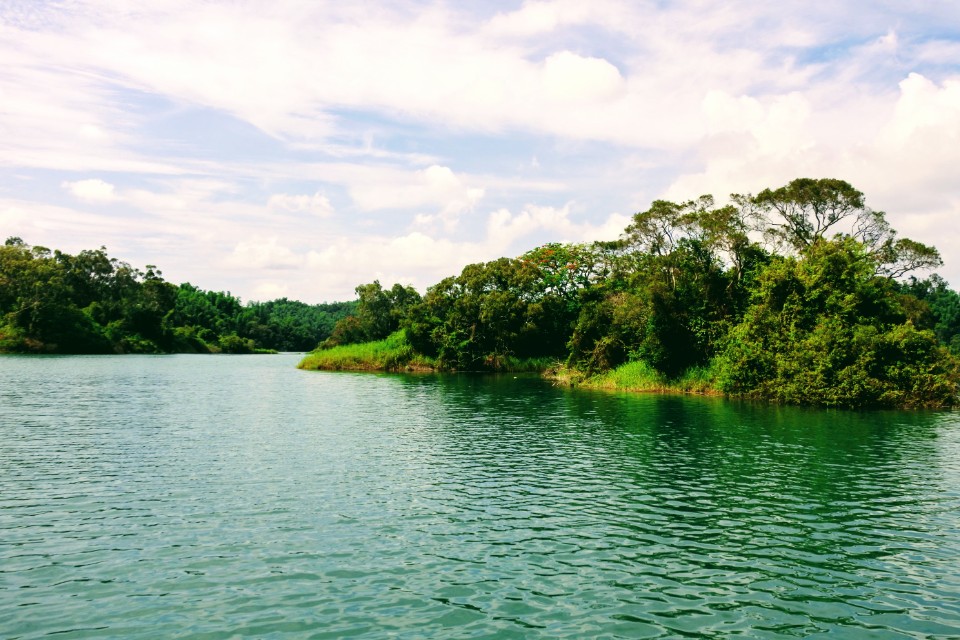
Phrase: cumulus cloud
pixel 269 291
pixel 290 77
pixel 423 259
pixel 293 70
pixel 569 77
pixel 924 108
pixel 91 190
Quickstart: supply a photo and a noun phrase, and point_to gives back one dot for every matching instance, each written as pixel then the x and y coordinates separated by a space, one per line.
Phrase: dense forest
pixel 53 302
pixel 801 294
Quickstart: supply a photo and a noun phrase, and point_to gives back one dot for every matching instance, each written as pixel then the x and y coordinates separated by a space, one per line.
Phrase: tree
pixel 824 329
pixel 801 213
pixel 943 305
pixel 897 257
pixel 89 302
pixel 563 270
pixel 379 312
pixel 490 313
pixel 37 304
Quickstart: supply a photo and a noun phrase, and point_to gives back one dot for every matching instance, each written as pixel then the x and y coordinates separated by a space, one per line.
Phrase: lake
pixel 238 497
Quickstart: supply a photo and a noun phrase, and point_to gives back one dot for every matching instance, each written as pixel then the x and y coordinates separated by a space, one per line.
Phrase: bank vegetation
pixel 801 295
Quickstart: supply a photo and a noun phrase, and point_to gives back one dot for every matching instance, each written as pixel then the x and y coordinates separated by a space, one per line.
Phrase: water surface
pixel 236 496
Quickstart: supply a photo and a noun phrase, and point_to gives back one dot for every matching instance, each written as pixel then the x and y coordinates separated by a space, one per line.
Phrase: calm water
pixel 237 497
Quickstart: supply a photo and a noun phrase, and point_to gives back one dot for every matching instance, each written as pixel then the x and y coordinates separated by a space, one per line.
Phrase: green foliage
pixel 638 375
pixel 493 313
pixel 688 265
pixel 396 353
pixel 685 300
pixel 804 210
pixel 235 344
pixel 824 330
pixel 90 303
pixel 800 214
pixel 563 270
pixel 940 308
pixel 393 353
pixel 632 376
pixel 379 312
pixel 607 331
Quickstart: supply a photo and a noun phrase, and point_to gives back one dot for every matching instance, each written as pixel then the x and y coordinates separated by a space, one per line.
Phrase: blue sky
pixel 301 148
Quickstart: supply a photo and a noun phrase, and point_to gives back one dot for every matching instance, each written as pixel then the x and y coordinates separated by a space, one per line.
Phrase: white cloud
pixel 269 291
pixel 505 229
pixel 569 77
pixel 533 18
pixel 268 255
pixel 925 110
pixel 12 218
pixel 436 187
pixel 216 122
pixel 422 259
pixel 54 115
pixel 289 77
pixel 91 190
pixel 317 204
pixel 292 69
pixel 65 228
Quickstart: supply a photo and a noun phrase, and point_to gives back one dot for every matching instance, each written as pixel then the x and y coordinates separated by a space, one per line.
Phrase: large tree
pixel 807 210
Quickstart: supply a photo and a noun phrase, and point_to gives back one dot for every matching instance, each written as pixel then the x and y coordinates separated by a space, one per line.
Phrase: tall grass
pixel 632 376
pixel 393 353
pixel 640 376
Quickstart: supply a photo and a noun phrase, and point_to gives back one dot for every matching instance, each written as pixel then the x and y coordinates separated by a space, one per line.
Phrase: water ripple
pixel 218 497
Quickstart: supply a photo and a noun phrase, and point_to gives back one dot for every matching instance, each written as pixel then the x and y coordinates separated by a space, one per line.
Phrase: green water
pixel 238 497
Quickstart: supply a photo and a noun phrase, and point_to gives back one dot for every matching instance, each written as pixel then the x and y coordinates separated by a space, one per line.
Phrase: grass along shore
pixel 638 376
pixel 395 354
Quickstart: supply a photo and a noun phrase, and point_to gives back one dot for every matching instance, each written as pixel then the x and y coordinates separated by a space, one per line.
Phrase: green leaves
pixel 91 303
pixel 805 209
pixel 824 330
pixel 379 313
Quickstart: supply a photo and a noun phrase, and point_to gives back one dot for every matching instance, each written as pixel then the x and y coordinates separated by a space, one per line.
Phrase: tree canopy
pixel 54 302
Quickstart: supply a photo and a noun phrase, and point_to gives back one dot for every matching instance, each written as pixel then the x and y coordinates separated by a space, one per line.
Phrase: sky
pixel 298 149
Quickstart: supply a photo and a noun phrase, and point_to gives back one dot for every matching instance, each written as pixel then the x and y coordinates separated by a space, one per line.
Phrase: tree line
pixel 795 294
pixel 54 302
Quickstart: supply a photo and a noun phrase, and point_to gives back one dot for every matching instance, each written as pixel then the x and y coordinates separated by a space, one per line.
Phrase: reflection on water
pixel 219 497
